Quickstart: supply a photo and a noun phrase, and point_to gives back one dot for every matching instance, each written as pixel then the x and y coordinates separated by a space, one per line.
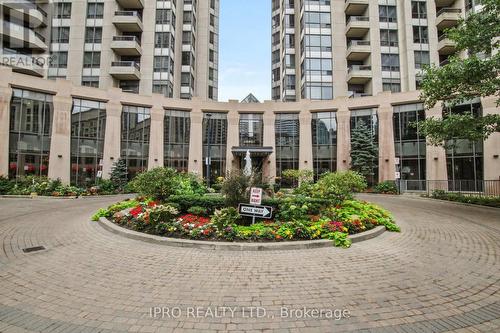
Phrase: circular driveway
pixel 442 273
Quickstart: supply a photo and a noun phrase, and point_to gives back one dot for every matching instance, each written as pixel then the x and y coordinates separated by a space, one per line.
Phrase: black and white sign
pixel 255 196
pixel 262 212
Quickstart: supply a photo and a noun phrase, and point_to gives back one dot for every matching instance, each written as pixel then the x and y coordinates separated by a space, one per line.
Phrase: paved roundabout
pixel 442 273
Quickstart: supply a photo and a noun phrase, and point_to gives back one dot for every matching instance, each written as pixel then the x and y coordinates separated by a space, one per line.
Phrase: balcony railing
pixel 359 68
pixel 126 64
pixel 128 13
pixel 448 10
pixel 127 39
pixel 358 43
pixel 357 19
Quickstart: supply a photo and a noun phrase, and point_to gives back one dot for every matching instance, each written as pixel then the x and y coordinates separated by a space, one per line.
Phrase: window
pixel 390 62
pixel 92 60
pixel 387 13
pixel 393 85
pixel 163 87
pixel 88 125
pixel 59 60
pixel 177 128
pixel 90 81
pixel 93 35
pixel 410 145
pixel 316 43
pixel 95 10
pixel 212 37
pixel 164 40
pixel 324 140
pixel 162 64
pixel 317 20
pixel 63 10
pixel 31 116
pixel 465 158
pixel 317 91
pixel 289 82
pixel 422 59
pixel 165 16
pixel 251 130
pixel 420 35
pixel 135 129
pixel 215 134
pixel 212 20
pixel 287 132
pixel 369 118
pixel 60 35
pixel 211 55
pixel 388 37
pixel 418 9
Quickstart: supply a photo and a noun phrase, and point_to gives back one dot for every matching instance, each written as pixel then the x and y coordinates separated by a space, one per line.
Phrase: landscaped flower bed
pixel 324 210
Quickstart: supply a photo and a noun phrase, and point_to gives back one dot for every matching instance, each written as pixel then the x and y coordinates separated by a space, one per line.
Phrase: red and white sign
pixel 255 196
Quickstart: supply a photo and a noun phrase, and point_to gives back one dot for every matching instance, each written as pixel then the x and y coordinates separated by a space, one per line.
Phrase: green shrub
pixel 100 213
pixel 235 188
pixel 224 218
pixel 386 187
pixel 161 214
pixel 5 185
pixel 491 201
pixel 106 186
pixel 210 202
pixel 298 207
pixel 338 186
pixel 197 210
pixel 161 183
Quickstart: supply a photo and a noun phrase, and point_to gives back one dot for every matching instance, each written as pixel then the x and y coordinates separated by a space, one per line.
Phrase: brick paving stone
pixel 441 274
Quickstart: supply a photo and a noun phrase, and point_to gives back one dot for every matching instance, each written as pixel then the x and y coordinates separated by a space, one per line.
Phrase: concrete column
pixel 435 156
pixel 60 141
pixel 233 136
pixel 112 137
pixel 375 58
pixel 305 154
pixel 156 135
pixel 339 43
pixel 269 166
pixel 5 97
pixel 343 139
pixel 492 144
pixel 386 154
pixel 195 164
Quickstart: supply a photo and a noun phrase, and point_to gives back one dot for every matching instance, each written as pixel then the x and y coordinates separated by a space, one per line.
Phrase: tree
pixel 364 152
pixel 477 75
pixel 119 174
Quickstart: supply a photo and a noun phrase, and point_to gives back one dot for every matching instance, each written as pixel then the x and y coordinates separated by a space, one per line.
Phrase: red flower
pixel 136 211
pixel 152 204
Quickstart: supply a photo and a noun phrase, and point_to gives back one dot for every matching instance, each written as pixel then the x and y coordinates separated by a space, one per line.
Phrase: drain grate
pixel 33 249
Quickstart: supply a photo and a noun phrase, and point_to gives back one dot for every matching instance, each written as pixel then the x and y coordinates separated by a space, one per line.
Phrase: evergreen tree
pixel 364 152
pixel 119 174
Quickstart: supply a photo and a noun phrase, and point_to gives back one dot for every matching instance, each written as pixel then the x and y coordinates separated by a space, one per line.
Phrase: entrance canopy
pixel 254 151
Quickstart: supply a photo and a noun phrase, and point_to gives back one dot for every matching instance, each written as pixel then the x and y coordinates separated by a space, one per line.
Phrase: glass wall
pixel 324 140
pixel 369 118
pixel 136 126
pixel 88 125
pixel 177 129
pixel 464 158
pixel 251 130
pixel 31 116
pixel 410 145
pixel 287 130
pixel 215 133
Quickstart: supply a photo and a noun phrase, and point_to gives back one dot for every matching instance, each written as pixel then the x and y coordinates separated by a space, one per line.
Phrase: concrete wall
pixel 64 91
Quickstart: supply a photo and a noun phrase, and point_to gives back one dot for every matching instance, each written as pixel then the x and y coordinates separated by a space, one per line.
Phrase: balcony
pixel 447 18
pixel 358 50
pixel 357 26
pixel 132 4
pixel 359 74
pixel 125 70
pixel 126 45
pixel 445 45
pixel 444 3
pixel 23 62
pixel 26 11
pixel 355 7
pixel 21 37
pixel 128 21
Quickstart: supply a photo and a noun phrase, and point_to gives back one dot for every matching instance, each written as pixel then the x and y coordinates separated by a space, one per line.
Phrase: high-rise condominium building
pixel 322 49
pixel 141 46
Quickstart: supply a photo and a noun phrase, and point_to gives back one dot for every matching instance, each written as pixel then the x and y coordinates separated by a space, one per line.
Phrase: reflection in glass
pixel 324 139
pixel 176 146
pixel 410 145
pixel 251 130
pixel 31 116
pixel 136 126
pixel 369 117
pixel 287 131
pixel 217 124
pixel 88 125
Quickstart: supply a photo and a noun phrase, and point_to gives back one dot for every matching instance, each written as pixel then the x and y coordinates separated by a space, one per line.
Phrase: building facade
pixel 322 49
pixel 76 133
pixel 168 47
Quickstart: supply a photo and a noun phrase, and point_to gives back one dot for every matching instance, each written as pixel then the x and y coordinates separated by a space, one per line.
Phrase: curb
pixel 14 196
pixel 228 246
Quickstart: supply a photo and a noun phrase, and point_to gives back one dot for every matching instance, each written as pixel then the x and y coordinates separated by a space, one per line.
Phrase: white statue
pixel 248 165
